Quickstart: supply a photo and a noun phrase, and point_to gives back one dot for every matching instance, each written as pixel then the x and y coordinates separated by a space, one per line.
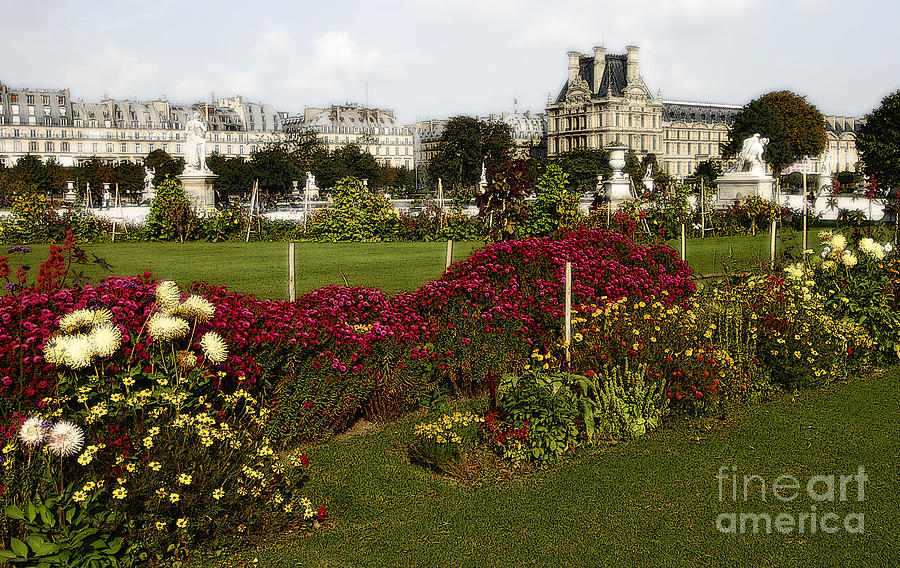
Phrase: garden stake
pixel 683 244
pixel 773 243
pixel 568 322
pixel 449 254
pixel 291 281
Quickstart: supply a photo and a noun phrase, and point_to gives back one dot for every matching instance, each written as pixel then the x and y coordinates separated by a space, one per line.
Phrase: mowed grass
pixel 261 269
pixel 652 502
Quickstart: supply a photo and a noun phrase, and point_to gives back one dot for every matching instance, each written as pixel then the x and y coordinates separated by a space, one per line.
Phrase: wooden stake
pixel 683 243
pixel 291 278
pixel 805 210
pixel 568 312
pixel 702 209
pixel 774 227
pixel 449 254
pixel 113 236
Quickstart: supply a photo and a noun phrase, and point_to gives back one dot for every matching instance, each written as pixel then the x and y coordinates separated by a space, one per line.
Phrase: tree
pixel 878 141
pixel 583 166
pixel 465 145
pixel 235 174
pixel 163 165
pixel 794 128
pixel 275 169
pixel 359 215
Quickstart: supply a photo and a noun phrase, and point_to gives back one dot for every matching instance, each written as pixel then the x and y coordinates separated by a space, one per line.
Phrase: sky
pixel 436 59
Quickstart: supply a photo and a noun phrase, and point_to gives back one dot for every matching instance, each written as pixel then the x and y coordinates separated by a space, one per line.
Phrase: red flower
pixel 304 460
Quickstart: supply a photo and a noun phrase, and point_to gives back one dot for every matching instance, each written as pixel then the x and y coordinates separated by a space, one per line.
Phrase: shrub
pixel 171 216
pixel 443 443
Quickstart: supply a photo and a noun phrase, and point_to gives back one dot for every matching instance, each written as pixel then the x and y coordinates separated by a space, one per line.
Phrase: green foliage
pixel 502 205
pixel 547 407
pixel 275 169
pixel 878 141
pixel 358 215
pixel 583 165
pixel 227 224
pixel 556 207
pixel 171 216
pixel 235 174
pixel 443 443
pixel 627 405
pixel 60 532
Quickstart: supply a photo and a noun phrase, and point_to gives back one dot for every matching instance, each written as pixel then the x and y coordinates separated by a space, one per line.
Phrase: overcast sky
pixel 435 59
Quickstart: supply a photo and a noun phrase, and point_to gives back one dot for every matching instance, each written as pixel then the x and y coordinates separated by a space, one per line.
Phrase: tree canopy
pixel 465 145
pixel 583 165
pixel 794 127
pixel 878 141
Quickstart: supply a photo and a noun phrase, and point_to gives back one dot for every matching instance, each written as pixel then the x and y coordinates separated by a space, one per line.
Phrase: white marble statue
pixel 751 155
pixel 826 167
pixel 310 180
pixel 149 174
pixel 195 135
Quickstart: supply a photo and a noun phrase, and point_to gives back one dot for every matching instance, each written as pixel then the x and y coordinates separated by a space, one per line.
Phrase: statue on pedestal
pixel 195 136
pixel 826 166
pixel 751 155
pixel 149 174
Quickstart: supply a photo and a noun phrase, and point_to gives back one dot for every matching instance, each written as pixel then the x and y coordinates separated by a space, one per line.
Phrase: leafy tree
pixel 878 141
pixel 235 174
pixel 32 172
pixel 583 166
pixel 130 177
pixel 95 173
pixel 707 170
pixel 794 128
pixel 556 207
pixel 306 148
pixel 358 163
pixel 465 145
pixel 163 165
pixel 275 169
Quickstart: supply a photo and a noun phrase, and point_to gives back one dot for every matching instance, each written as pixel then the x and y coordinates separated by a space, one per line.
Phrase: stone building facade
pixel 51 126
pixel 605 102
pixel 374 130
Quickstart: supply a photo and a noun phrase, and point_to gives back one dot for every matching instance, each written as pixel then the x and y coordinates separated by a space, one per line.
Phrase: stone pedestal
pixel 70 195
pixel 199 189
pixel 738 186
pixel 618 186
pixel 824 187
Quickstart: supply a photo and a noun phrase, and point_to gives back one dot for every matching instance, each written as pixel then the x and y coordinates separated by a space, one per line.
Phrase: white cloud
pixel 114 70
pixel 337 58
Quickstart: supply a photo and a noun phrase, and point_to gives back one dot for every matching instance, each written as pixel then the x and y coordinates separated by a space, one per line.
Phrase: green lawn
pixel 262 269
pixel 648 503
pixel 751 253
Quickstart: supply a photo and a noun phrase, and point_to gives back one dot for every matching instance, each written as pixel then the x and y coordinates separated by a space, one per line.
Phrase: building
pixel 49 125
pixel 605 102
pixel 374 130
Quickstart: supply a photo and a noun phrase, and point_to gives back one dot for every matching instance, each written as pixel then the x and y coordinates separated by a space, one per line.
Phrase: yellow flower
pixel 174 498
pixel 182 522
pixel 119 493
pixel 218 494
pixel 161 492
pixel 154 465
pixel 184 479
pixel 160 525
pixel 79 496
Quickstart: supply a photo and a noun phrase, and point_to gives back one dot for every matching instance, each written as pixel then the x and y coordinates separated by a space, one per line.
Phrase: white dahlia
pixel 77 350
pixel 167 296
pixel 106 339
pixel 74 321
pixel 214 347
pixel 196 308
pixel 33 431
pixel 838 242
pixel 163 327
pixel 65 439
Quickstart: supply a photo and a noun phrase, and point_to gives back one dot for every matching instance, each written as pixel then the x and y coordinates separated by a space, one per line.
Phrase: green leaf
pixel 14 512
pixel 46 517
pixel 7 555
pixel 30 512
pixel 18 547
pixel 40 546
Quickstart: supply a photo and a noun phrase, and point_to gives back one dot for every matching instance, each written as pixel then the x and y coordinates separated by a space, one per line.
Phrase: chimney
pixel 599 67
pixel 574 65
pixel 633 70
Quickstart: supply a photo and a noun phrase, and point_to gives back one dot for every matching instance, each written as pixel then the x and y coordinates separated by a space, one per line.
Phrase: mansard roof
pixel 613 82
pixel 699 112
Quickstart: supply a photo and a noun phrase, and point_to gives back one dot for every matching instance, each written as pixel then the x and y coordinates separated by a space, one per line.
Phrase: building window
pixel 177 148
pixel 29 99
pixel 14 98
pixel 49 147
pixel 110 148
pixel 137 148
pixel 48 121
pixel 63 146
pixel 33 147
pixel 124 148
pixel 80 147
